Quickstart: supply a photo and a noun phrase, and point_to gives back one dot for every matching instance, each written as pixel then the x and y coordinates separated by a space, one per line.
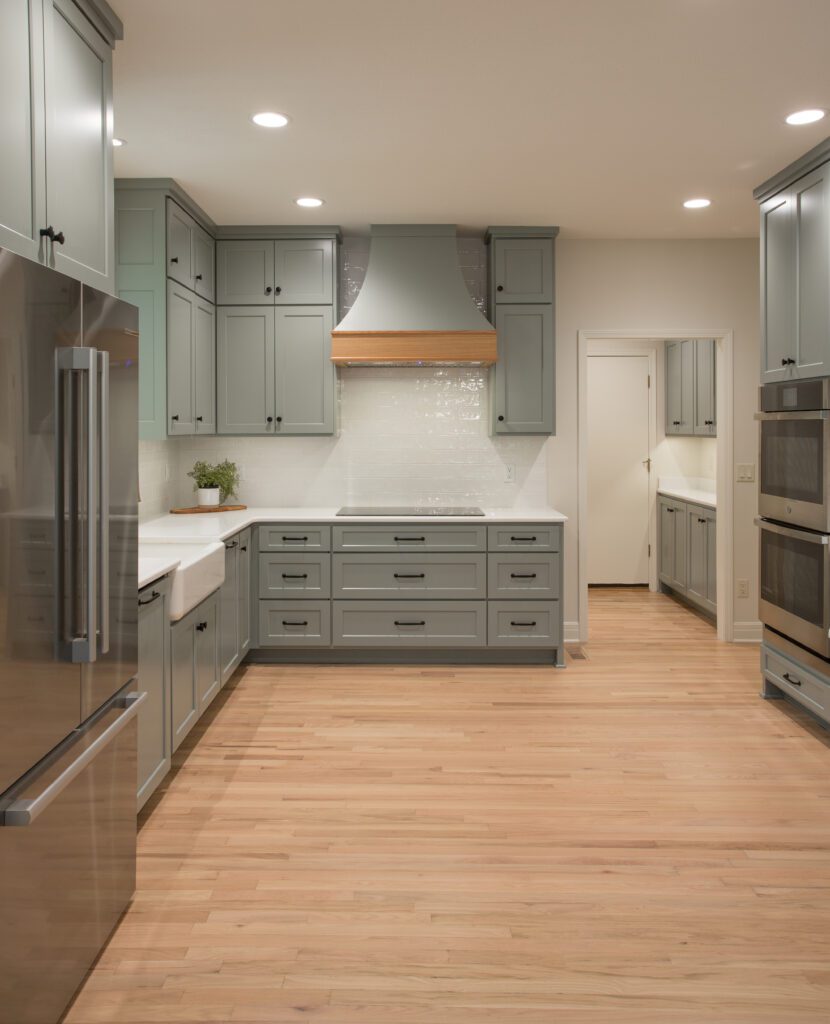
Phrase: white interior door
pixel 618 469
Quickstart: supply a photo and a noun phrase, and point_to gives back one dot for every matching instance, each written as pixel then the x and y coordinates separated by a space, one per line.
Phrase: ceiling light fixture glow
pixel 805 116
pixel 308 201
pixel 697 204
pixel 270 119
pixel 119 142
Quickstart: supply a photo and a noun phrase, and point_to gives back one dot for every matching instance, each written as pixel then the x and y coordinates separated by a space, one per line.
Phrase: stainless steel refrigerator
pixel 68 631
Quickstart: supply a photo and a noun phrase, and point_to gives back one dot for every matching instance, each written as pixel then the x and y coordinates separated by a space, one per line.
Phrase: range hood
pixel 414 308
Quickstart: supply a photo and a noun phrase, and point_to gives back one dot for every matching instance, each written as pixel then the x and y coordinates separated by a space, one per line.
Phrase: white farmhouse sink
pixel 200 571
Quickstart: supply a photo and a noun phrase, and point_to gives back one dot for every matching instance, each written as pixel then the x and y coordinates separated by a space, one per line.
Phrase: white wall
pixel 687 286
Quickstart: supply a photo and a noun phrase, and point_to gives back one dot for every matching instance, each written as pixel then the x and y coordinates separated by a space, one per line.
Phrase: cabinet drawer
pixel 294 537
pixel 528 536
pixel 409 623
pixel 796 681
pixel 409 537
pixel 523 624
pixel 523 575
pixel 409 576
pixel 294 623
pixel 294 576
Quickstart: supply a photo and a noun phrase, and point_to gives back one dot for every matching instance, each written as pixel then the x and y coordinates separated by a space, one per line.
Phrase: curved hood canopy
pixel 414 307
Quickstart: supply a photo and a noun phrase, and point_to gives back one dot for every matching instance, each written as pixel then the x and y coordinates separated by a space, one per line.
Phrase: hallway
pixel 637 839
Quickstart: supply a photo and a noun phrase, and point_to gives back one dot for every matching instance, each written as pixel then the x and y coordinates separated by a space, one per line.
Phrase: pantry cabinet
pixel 690 387
pixel 56 190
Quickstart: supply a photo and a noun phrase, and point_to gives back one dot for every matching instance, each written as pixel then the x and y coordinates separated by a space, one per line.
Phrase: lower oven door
pixel 795 468
pixel 795 584
pixel 67 846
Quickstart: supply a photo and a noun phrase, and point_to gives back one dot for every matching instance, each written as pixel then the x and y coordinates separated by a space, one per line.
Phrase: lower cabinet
pixel 154 680
pixel 688 551
pixel 235 604
pixel 194 653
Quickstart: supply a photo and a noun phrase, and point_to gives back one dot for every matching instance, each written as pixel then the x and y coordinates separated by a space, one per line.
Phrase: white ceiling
pixel 597 115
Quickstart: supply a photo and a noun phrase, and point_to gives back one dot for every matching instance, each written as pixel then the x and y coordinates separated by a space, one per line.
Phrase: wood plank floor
pixel 637 839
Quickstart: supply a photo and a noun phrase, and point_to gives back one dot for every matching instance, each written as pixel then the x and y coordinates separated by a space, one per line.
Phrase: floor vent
pixel 577 653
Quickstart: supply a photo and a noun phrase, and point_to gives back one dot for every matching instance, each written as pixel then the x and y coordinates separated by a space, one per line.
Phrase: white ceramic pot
pixel 207 496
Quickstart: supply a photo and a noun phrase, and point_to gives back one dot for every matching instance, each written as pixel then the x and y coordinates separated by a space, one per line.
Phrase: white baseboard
pixel 572 633
pixel 747 632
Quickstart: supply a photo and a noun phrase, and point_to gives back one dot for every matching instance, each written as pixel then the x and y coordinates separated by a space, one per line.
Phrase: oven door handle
pixel 788 531
pixel 811 414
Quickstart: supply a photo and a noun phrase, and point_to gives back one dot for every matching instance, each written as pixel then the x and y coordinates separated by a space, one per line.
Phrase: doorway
pixel 619 421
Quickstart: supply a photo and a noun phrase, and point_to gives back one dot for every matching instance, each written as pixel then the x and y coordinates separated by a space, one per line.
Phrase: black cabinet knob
pixel 174 259
pixel 269 419
pixel 199 419
pixel 52 235
pixel 268 290
pixel 708 423
pixel 499 287
pixel 201 626
pixel 60 238
pixel 675 423
pixel 198 277
pixel 788 362
pixel 278 290
pixel 279 419
pixel 501 419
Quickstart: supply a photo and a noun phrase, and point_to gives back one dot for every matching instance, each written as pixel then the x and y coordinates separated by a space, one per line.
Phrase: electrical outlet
pixel 509 473
pixel 166 474
pixel 745 472
pixel 742 588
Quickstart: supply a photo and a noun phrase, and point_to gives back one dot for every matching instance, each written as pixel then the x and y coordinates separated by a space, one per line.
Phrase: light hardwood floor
pixel 637 839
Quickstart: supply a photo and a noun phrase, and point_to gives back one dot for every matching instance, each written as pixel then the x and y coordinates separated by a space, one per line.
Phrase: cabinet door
pixel 204 258
pixel 696 581
pixel 523 269
pixel 184 703
pixel 674 387
pixel 303 271
pixel 245 273
pixel 206 652
pixel 181 307
pixel 687 386
pixel 681 551
pixel 22 169
pixel 704 398
pixel 778 286
pixel 180 228
pixel 667 530
pixel 304 381
pixel 229 611
pixel 244 592
pixel 245 370
pixel 154 715
pixel 204 367
pixel 811 212
pixel 524 376
pixel 712 563
pixel 79 180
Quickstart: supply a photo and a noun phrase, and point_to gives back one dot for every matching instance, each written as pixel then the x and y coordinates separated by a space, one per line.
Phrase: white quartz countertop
pixel 213 526
pixel 152 568
pixel 690 494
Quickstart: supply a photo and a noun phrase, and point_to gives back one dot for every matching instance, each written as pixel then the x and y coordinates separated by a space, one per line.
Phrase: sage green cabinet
pixel 234 604
pixel 190 252
pixel 282 272
pixel 191 362
pixel 523 379
pixel 672 541
pixel 194 651
pixel 274 370
pixel 154 680
pixel 795 269
pixel 522 270
pixel 690 387
pixel 688 551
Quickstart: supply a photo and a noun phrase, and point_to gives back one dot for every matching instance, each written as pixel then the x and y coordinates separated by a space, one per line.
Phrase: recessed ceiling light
pixel 805 116
pixel 308 201
pixel 270 119
pixel 119 142
pixel 697 204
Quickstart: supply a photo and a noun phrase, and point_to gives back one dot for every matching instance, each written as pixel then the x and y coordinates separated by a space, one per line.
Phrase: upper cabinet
pixel 523 380
pixel 56 189
pixel 795 269
pixel 281 272
pixel 190 252
pixel 690 387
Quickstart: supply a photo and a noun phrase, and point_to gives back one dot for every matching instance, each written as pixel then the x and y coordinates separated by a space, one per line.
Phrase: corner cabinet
pixel 56 187
pixel 690 388
pixel 795 269
pixel 523 380
pixel 688 551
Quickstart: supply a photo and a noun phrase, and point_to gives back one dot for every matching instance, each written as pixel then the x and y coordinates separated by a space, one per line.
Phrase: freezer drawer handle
pixel 25 812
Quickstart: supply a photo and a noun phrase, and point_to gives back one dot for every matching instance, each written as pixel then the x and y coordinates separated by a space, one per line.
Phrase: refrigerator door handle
pixel 25 812
pixel 104 502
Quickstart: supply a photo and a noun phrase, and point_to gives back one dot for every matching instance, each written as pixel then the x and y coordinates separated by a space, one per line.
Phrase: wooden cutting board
pixel 196 509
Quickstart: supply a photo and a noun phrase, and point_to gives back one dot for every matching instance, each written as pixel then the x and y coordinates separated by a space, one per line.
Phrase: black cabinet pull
pixel 153 597
pixel 268 290
pixel 244 547
pixel 499 287
pixel 199 419
pixel 295 538
pixel 522 623
pixel 201 626
pixel 700 520
pixel 232 544
pixel 295 575
pixel 527 539
pixel 792 680
pixel 501 419
pixel 198 277
pixel 522 575
pixel 409 575
pixel 294 622
pixel 278 290
pixel 174 259
pixel 175 418
pixel 414 622
pixel 52 235
pixel 414 539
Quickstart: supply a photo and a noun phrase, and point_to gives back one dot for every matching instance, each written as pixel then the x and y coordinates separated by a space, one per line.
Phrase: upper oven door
pixel 795 584
pixel 794 468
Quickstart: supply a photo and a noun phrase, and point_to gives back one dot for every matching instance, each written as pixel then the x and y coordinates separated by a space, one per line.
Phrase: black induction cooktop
pixel 410 510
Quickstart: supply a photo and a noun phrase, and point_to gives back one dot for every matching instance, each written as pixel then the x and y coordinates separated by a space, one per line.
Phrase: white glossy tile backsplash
pixel 407 436
pixel 158 469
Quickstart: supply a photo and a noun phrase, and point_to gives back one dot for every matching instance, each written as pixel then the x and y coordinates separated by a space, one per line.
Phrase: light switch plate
pixel 745 472
pixel 742 588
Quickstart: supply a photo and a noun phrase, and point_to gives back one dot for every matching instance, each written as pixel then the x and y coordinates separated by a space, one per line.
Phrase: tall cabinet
pixel 56 186
pixel 690 387
pixel 523 380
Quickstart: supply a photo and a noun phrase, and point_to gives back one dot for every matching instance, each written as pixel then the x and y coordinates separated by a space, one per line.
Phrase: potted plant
pixel 214 484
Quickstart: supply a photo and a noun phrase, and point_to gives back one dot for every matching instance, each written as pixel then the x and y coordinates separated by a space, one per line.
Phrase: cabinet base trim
pixel 409 656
